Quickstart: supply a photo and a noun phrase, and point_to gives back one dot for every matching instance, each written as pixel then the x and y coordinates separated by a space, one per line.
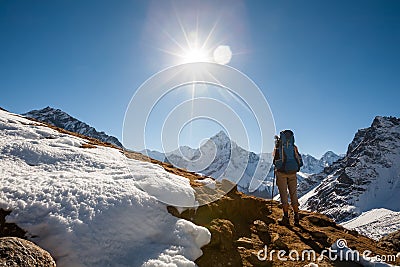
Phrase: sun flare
pixel 196 45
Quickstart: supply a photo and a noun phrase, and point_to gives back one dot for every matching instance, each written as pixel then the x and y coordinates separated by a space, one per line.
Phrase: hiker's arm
pixel 298 156
pixel 275 155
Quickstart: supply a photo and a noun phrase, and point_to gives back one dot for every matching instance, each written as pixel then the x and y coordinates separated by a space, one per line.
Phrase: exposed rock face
pixel 368 177
pixel 18 252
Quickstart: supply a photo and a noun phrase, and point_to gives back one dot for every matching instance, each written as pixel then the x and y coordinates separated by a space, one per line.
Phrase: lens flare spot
pixel 222 54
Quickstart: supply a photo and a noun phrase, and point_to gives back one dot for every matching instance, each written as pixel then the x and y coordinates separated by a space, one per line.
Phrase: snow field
pixel 87 207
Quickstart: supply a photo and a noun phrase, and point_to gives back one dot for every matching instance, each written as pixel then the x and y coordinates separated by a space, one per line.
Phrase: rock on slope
pixel 367 177
pixel 17 252
pixel 63 120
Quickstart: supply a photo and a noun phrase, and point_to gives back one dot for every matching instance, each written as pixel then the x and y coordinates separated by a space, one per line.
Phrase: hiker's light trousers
pixel 284 182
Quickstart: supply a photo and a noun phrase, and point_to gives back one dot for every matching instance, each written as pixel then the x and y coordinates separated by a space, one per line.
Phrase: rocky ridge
pixel 61 119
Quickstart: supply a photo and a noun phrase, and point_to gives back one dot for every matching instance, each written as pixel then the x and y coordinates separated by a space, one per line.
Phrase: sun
pixel 195 55
pixel 221 55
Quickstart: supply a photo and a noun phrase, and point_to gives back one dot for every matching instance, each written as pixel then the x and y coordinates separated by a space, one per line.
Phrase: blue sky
pixel 326 68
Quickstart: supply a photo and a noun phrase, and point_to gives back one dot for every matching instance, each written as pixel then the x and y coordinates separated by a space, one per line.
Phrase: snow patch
pixel 210 183
pixel 375 223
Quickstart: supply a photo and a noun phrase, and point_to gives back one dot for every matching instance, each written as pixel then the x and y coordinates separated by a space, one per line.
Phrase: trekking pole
pixel 272 192
pixel 273 182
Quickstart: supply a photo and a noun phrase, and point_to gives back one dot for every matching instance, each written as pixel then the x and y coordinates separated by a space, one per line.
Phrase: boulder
pixel 223 234
pixel 19 252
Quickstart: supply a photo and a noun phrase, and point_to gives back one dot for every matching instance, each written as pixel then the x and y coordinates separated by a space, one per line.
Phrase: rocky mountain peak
pixel 383 130
pixel 328 154
pixel 366 178
pixel 63 120
pixel 314 166
pixel 382 121
pixel 221 138
pixel 328 158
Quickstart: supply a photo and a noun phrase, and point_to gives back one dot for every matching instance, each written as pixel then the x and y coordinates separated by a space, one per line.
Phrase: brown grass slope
pixel 91 142
pixel 242 225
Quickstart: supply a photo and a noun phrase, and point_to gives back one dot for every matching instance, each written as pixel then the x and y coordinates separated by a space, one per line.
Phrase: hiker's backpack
pixel 287 159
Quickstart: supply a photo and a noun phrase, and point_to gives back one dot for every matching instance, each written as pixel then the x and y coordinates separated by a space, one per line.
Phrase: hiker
pixel 287 162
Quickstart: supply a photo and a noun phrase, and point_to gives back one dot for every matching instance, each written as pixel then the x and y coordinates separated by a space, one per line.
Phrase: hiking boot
pixel 284 221
pixel 296 219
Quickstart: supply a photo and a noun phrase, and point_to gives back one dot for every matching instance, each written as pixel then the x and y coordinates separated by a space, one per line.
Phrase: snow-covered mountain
pixel 314 171
pixel 375 223
pixel 220 157
pixel 63 120
pixel 367 178
pixel 85 207
pixel 313 165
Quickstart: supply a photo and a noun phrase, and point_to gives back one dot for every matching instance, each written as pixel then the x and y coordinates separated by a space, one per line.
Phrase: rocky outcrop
pixel 241 226
pixel 17 252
